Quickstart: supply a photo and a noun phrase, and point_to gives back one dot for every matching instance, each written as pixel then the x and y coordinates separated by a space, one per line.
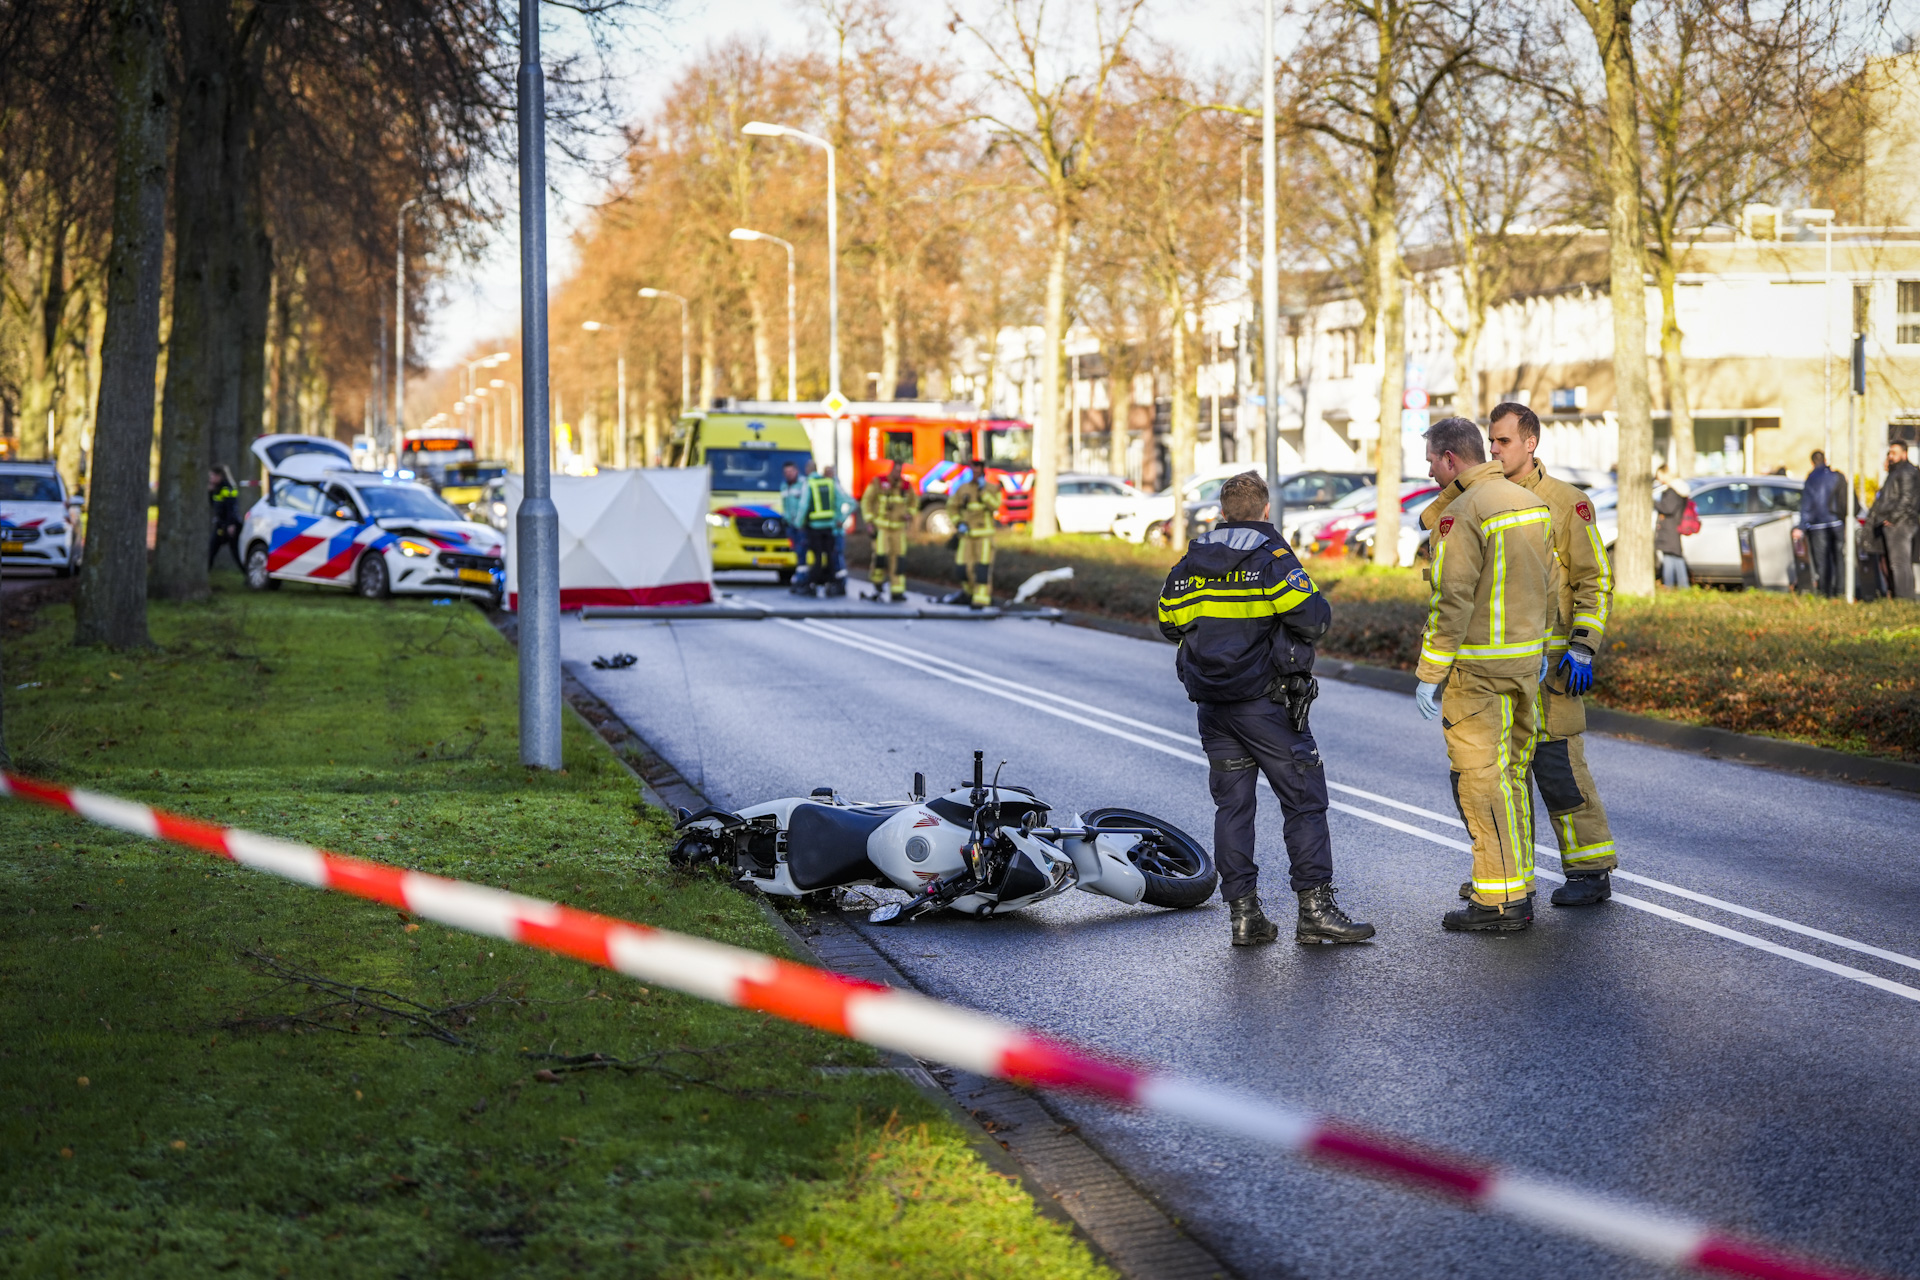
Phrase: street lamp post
pixel 686 365
pixel 400 319
pixel 1825 218
pixel 1269 276
pixel 537 523
pixel 836 401
pixel 742 233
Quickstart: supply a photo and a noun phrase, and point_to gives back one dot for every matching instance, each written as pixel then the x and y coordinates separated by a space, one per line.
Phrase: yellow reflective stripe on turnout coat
pixel 1495 578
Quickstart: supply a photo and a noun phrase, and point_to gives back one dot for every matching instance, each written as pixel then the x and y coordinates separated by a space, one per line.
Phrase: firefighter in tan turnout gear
pixel 889 504
pixel 1586 597
pixel 974 505
pixel 1496 586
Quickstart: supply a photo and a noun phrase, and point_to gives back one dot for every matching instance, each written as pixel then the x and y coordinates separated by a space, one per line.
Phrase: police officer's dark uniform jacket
pixel 1246 617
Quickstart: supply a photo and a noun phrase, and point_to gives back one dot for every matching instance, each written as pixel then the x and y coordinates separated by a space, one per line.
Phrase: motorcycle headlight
pixel 408 547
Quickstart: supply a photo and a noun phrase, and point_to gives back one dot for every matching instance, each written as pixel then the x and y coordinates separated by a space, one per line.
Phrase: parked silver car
pixel 1724 503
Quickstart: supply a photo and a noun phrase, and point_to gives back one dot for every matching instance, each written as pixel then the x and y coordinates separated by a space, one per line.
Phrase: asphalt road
pixel 1666 1049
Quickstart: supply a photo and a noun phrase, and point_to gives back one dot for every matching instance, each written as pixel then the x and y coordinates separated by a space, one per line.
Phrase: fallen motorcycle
pixel 984 850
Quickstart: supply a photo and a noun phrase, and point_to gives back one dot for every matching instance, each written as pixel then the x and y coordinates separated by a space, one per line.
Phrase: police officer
pixel 224 497
pixel 1586 599
pixel 975 504
pixel 827 507
pixel 1496 587
pixel 1246 617
pixel 889 505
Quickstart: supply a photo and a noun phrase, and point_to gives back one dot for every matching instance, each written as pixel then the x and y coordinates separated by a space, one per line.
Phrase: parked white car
pixel 1091 503
pixel 1724 503
pixel 377 533
pixel 39 522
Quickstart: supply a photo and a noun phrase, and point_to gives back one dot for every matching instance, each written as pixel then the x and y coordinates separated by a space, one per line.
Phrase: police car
pixel 378 533
pixel 37 525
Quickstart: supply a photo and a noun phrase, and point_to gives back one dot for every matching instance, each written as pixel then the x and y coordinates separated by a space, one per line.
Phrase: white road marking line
pixel 972 679
pixel 1452 820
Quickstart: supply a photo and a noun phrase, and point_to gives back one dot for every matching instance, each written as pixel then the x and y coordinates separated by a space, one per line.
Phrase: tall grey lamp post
pixel 686 364
pixel 742 233
pixel 836 402
pixel 1269 276
pixel 400 320
pixel 537 523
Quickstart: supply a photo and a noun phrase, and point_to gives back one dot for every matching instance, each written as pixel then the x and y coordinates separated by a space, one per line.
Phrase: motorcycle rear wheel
pixel 1179 871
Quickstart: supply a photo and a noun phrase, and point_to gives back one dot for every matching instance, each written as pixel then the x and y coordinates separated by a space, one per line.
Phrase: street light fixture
pixel 836 402
pixel 686 368
pixel 742 233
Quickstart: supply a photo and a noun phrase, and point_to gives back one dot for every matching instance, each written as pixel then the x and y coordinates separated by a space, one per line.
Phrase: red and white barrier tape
pixel 927 1029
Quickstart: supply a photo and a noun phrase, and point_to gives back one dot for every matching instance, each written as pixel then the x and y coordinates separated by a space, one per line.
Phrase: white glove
pixel 1428 698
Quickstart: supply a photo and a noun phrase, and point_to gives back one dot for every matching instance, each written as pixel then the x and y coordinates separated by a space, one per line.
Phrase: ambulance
pixel 746 456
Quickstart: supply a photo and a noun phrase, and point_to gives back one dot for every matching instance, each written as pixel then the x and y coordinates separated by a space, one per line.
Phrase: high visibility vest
pixel 822 510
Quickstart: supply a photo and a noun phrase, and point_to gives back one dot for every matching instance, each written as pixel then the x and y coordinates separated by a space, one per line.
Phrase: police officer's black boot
pixel 1322 920
pixel 1250 924
pixel 1583 890
pixel 1510 917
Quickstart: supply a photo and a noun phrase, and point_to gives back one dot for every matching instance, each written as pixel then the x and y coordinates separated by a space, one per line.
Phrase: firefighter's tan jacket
pixel 973 505
pixel 1586 585
pixel 887 506
pixel 1496 580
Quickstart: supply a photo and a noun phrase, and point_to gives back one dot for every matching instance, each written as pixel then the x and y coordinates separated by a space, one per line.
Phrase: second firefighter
pixel 890 504
pixel 975 505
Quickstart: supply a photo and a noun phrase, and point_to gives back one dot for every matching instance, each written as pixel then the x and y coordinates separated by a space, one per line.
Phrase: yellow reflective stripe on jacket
pixel 1263 606
pixel 1526 649
pixel 1497 616
pixel 1436 656
pixel 1589 620
pixel 1275 591
pixel 1514 519
pixel 1604 605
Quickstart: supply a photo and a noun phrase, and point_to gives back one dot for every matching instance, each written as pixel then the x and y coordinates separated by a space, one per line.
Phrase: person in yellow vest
pixel 1587 854
pixel 974 505
pixel 1496 591
pixel 889 505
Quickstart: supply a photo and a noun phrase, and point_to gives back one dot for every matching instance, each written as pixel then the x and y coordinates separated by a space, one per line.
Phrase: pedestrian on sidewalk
pixel 1670 504
pixel 1560 772
pixel 224 497
pixel 1823 508
pixel 1496 593
pixel 1246 617
pixel 1895 514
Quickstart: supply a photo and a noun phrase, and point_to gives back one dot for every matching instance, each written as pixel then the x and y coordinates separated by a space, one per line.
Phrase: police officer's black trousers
pixel 1244 740
pixel 229 538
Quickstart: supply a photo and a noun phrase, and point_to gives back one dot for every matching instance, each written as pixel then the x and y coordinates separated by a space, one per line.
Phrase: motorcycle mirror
pixel 919 787
pixel 884 914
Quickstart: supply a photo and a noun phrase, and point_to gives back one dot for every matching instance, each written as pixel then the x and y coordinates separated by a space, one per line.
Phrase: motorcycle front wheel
pixel 1178 870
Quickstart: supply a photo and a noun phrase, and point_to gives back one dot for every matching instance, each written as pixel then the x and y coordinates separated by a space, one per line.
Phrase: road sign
pixel 835 403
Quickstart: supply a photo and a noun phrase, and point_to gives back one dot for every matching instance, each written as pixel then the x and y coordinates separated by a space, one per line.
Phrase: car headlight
pixel 411 548
pixel 717 520
pixel 1207 513
pixel 54 530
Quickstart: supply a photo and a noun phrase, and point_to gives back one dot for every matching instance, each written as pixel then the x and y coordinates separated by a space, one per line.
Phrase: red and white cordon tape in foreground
pixel 927 1029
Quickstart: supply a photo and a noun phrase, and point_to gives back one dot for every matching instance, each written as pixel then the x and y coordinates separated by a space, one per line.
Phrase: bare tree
pixel 1062 98
pixel 110 604
pixel 1368 74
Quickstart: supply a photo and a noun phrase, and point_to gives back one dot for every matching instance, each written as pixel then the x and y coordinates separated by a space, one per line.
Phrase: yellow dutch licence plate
pixel 476 575
pixel 7 548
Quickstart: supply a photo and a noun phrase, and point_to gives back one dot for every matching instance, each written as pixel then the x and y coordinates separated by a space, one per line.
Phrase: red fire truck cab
pixel 935 443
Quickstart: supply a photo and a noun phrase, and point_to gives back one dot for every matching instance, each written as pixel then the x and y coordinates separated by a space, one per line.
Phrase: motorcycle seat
pixel 827 845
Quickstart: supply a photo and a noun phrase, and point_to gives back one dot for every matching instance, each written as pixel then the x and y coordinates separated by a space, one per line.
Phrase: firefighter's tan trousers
pixel 975 555
pixel 1490 727
pixel 1566 787
pixel 889 546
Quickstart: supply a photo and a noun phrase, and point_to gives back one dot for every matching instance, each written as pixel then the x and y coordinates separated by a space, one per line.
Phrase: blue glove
pixel 1546 660
pixel 1577 665
pixel 1428 698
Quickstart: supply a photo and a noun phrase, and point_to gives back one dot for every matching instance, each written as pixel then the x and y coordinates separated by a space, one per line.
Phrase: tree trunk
pixel 197 356
pixel 256 300
pixel 762 344
pixel 1673 366
pixel 709 355
pixel 1046 439
pixel 889 302
pixel 1612 24
pixel 39 388
pixel 1391 309
pixel 110 603
pixel 650 417
pixel 1119 409
pixel 1466 350
pixel 1180 412
pixel 74 466
pixel 286 359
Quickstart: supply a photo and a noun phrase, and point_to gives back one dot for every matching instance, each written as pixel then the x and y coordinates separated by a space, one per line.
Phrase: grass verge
pixel 1796 667
pixel 203 1069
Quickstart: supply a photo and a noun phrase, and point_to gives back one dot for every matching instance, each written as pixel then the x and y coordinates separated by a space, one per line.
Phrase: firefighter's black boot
pixel 1322 920
pixel 1511 917
pixel 1583 890
pixel 1250 924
